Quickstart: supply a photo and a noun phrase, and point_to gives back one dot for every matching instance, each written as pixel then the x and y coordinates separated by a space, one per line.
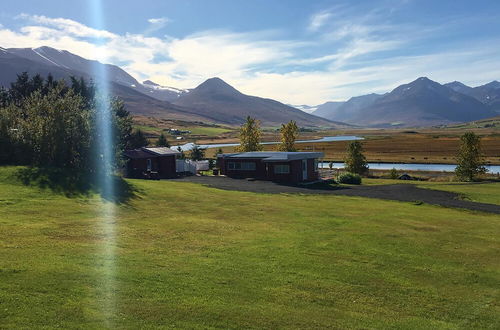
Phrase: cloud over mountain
pixel 341 51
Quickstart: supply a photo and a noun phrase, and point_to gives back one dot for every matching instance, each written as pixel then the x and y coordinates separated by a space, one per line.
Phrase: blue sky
pixel 299 52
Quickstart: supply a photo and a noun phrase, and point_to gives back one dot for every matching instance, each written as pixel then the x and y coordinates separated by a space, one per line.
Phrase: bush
pixel 349 178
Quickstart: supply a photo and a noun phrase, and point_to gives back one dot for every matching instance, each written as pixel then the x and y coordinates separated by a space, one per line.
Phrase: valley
pixel 426 146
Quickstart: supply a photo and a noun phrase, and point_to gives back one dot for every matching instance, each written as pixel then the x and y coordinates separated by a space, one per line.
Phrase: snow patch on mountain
pixel 304 107
pixel 156 87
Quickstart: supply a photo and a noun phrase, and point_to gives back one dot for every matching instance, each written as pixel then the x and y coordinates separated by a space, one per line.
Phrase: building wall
pixel 259 173
pixel 312 173
pixel 265 170
pixel 165 166
pixel 294 176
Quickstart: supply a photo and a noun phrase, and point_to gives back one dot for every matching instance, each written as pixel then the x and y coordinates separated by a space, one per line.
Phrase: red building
pixel 292 167
pixel 151 163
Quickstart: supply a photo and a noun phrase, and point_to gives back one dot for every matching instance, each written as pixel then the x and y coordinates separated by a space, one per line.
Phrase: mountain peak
pixel 47 49
pixel 424 80
pixel 494 84
pixel 216 85
pixel 149 82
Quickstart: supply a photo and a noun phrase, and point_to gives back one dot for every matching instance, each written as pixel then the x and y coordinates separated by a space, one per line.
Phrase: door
pixel 304 169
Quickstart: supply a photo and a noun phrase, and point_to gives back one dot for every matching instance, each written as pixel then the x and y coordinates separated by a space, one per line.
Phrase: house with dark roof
pixel 151 163
pixel 288 167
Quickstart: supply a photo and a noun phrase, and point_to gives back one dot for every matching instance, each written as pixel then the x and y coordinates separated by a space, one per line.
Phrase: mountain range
pixel 212 101
pixel 422 102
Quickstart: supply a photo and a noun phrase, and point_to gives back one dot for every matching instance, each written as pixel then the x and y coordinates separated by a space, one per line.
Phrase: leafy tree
pixel 219 151
pixel 250 136
pixel 162 141
pixel 137 140
pixel 355 161
pixel 46 123
pixel 393 174
pixel 469 158
pixel 182 155
pixel 4 97
pixel 56 129
pixel 197 153
pixel 289 133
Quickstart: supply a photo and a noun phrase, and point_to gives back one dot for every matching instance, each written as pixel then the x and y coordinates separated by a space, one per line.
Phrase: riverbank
pixel 493 169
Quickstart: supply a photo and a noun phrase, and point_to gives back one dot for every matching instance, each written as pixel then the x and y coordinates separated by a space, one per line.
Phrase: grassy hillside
pixel 184 255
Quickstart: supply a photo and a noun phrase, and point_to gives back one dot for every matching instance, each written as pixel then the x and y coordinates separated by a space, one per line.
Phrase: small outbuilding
pixel 151 163
pixel 288 167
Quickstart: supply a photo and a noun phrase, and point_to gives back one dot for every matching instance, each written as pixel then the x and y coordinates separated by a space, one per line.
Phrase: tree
pixel 48 124
pixel 355 161
pixel 137 140
pixel 4 97
pixel 56 128
pixel 219 151
pixel 393 174
pixel 162 141
pixel 469 158
pixel 250 136
pixel 197 153
pixel 182 155
pixel 289 133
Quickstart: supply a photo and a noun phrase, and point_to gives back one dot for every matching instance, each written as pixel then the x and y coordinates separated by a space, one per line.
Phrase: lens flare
pixel 105 159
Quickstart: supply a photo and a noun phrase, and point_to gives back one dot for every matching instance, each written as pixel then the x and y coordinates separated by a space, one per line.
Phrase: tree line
pixel 52 123
pixel 469 156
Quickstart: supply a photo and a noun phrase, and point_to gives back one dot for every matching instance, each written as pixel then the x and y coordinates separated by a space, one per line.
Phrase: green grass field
pixel 208 131
pixel 188 256
pixel 195 130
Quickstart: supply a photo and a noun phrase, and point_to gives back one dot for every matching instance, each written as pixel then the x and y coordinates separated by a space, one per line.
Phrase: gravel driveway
pixel 398 192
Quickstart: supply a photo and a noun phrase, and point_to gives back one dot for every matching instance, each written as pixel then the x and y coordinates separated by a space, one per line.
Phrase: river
pixel 411 167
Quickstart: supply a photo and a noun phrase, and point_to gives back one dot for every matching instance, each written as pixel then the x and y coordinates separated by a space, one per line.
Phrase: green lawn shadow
pixel 73 184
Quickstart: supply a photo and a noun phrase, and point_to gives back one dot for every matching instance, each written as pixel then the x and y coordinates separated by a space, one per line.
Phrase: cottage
pixel 290 167
pixel 151 163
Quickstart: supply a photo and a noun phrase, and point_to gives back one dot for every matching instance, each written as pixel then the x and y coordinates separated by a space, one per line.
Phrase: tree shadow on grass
pixel 73 184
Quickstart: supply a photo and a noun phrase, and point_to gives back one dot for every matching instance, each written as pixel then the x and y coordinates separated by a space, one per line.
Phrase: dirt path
pixel 398 192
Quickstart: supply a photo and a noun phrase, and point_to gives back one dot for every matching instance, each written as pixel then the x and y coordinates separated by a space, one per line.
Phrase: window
pixel 316 165
pixel 149 165
pixel 241 166
pixel 281 169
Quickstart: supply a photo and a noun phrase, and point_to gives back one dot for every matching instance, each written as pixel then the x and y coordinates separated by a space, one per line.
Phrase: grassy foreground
pixel 184 255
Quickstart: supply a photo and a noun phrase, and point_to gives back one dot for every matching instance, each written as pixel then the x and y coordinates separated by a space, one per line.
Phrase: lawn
pixel 188 256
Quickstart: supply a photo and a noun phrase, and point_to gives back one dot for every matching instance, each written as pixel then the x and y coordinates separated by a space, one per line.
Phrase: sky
pixel 297 52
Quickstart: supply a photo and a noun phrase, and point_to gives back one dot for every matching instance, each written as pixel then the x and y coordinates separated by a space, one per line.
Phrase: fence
pixel 191 166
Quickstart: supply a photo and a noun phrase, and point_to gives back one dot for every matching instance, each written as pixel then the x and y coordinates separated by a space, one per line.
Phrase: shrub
pixel 350 178
pixel 394 174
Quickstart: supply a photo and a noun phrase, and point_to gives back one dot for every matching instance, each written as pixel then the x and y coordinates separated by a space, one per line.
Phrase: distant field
pixel 207 131
pixel 493 123
pixel 190 256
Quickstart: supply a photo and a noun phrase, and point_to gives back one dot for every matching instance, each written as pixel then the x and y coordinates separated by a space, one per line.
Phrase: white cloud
pixel 318 20
pixel 157 24
pixel 257 63
pixel 159 21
